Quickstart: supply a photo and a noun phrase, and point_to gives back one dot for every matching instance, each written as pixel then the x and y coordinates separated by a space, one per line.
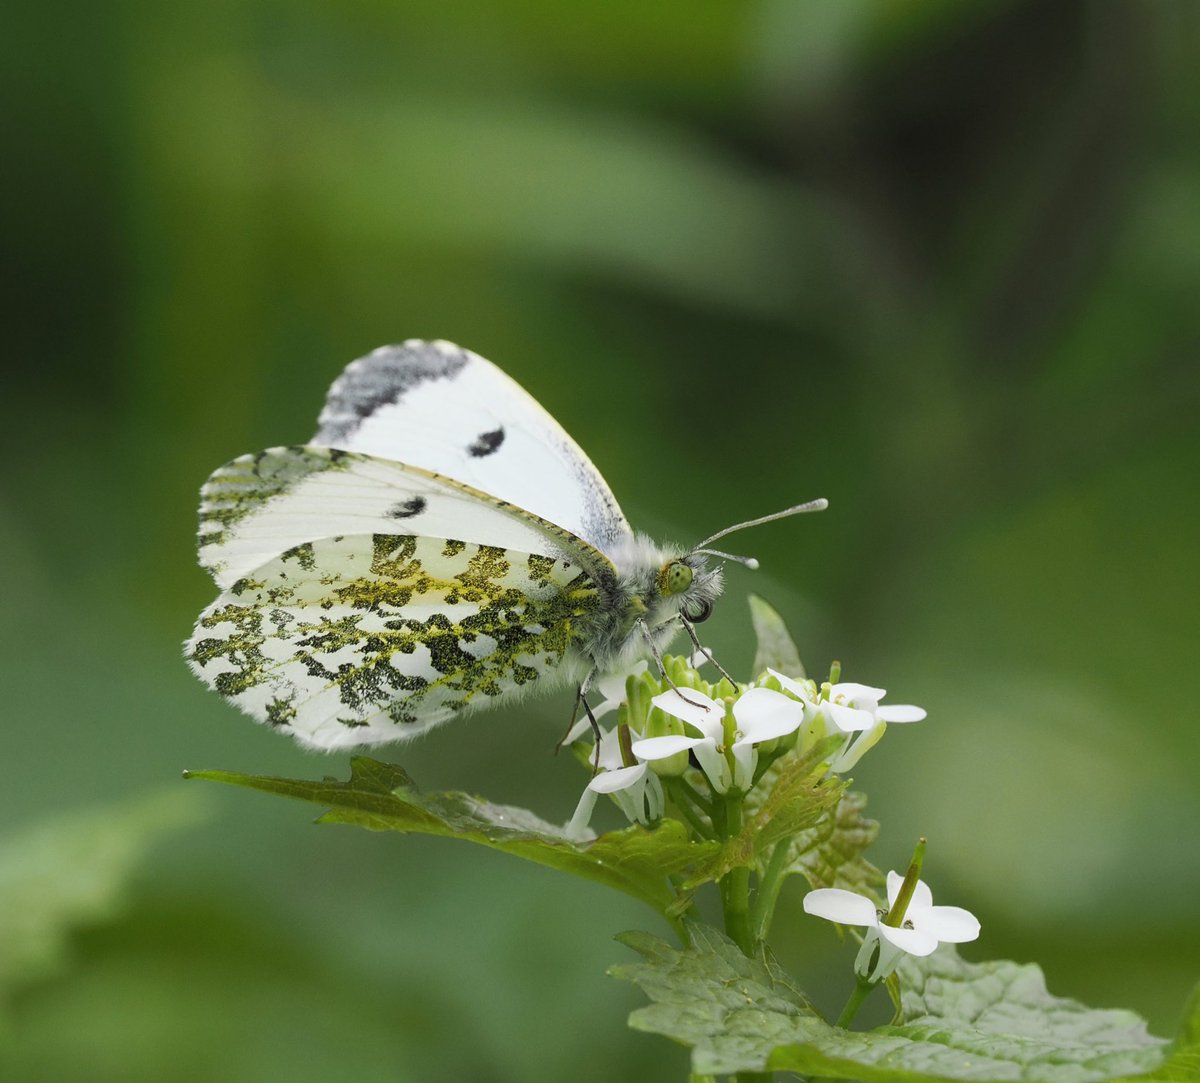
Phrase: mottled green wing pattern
pixel 367 638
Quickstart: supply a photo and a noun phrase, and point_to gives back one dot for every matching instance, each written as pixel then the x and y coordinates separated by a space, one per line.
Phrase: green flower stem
pixel 736 899
pixel 765 763
pixel 682 797
pixel 861 991
pixel 768 890
pixel 719 820
pixel 679 927
pixel 735 885
pixel 697 798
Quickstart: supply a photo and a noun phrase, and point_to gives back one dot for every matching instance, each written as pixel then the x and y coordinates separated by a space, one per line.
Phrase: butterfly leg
pixel 691 631
pixel 581 700
pixel 656 654
pixel 595 730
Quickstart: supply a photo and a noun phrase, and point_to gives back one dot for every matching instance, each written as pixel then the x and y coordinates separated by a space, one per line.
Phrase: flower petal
pixel 844 907
pixel 714 764
pixel 850 692
pixel 612 685
pixel 658 748
pixel 577 829
pixel 763 715
pixel 866 952
pixel 950 924
pixel 894 880
pixel 922 897
pixel 901 712
pixel 655 800
pixel 620 779
pixel 745 761
pixel 857 745
pixel 707 715
pixel 848 719
pixel 889 957
pixel 790 684
pixel 913 941
pixel 580 729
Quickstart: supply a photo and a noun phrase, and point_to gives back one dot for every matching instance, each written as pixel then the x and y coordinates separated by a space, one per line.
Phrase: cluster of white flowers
pixel 724 730
pixel 724 736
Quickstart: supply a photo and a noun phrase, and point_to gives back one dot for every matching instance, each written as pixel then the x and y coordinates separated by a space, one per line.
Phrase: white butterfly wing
pixel 363 639
pixel 448 410
pixel 260 506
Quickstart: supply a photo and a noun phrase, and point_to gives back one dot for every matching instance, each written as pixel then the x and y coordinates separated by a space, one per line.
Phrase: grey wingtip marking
pixel 382 377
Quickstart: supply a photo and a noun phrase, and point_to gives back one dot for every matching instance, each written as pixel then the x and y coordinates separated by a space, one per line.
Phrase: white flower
pixel 760 715
pixel 703 714
pixel 923 928
pixel 852 710
pixel 636 789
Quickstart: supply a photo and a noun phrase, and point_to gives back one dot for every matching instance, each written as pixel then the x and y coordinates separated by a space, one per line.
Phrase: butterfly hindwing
pixel 259 506
pixel 450 411
pixel 367 638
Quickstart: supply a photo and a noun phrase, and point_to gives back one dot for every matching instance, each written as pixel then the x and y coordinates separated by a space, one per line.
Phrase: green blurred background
pixel 937 262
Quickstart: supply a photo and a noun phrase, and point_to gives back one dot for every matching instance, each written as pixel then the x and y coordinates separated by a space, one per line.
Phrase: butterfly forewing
pixel 363 639
pixel 450 411
pixel 262 505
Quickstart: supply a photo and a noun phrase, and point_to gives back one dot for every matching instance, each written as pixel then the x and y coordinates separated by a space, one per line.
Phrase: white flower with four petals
pixel 759 715
pixel 853 710
pixel 924 926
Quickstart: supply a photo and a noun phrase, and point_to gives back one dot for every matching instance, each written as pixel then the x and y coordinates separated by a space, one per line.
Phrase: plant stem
pixel 698 799
pixel 768 890
pixel 681 930
pixel 735 886
pixel 682 796
pixel 861 990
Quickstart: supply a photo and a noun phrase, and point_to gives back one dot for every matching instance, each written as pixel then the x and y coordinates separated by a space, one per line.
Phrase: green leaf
pixel 827 851
pixel 59 873
pixel 382 797
pixel 999 1016
pixel 961 1021
pixel 830 854
pixel 792 796
pixel 730 1008
pixel 775 649
pixel 1183 1066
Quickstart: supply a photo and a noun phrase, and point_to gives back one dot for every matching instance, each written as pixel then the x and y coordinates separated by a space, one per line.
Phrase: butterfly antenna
pixel 749 562
pixel 799 509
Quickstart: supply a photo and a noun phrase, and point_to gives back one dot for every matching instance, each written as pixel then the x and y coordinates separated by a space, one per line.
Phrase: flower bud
pixel 677 670
pixel 640 688
pixel 670 766
pixel 661 724
pixel 769 680
pixel 724 690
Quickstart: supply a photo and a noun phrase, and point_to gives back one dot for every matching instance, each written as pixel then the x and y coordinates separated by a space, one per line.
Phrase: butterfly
pixel 440 545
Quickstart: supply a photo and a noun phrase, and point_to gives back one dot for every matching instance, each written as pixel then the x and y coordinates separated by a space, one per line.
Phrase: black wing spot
pixel 487 442
pixel 406 509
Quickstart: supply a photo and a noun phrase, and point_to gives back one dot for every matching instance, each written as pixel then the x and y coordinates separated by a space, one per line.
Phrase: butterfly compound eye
pixel 698 612
pixel 674 578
